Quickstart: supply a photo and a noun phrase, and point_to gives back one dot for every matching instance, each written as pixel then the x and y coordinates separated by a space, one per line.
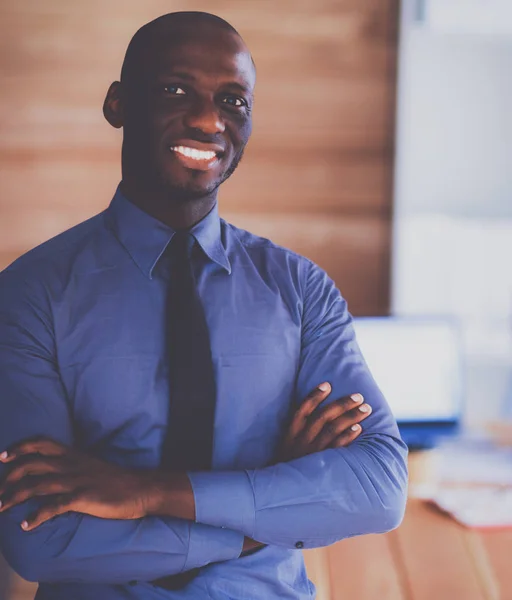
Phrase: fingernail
pixel 0 504
pixel 4 455
pixel 364 408
pixel 323 386
pixel 355 427
pixel 357 397
pixel 24 525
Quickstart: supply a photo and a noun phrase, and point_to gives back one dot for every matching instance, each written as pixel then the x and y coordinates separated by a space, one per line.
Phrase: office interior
pixel 381 150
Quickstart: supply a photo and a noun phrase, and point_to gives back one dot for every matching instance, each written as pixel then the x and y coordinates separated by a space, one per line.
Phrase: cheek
pixel 246 130
pixel 138 134
pixel 240 133
pixel 149 122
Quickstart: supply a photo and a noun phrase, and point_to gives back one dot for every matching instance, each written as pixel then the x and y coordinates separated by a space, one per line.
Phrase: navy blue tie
pixel 192 382
pixel 189 441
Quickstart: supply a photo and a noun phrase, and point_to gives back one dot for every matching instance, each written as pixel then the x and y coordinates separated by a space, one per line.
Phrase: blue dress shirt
pixel 83 360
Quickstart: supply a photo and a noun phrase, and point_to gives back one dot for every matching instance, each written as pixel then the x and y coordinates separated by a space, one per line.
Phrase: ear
pixel 113 105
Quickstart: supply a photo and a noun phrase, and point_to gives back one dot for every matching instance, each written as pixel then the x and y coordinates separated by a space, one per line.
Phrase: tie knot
pixel 181 245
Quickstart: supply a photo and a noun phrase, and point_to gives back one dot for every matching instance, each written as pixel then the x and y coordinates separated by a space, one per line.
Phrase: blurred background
pixel 381 150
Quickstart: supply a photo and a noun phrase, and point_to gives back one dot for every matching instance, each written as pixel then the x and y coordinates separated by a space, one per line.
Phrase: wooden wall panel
pixel 321 183
pixel 322 146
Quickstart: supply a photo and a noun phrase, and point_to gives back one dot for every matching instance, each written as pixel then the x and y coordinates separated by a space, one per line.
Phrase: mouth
pixel 196 155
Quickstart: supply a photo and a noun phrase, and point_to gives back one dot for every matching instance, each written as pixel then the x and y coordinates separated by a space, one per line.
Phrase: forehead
pixel 215 53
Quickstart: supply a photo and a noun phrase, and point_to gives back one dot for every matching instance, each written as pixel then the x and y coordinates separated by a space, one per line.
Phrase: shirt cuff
pixel 207 545
pixel 224 499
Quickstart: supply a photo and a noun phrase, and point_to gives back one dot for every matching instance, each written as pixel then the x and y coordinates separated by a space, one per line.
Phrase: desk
pixel 429 557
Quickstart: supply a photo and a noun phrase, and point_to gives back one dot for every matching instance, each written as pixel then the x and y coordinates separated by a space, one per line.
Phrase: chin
pixel 189 183
pixel 189 190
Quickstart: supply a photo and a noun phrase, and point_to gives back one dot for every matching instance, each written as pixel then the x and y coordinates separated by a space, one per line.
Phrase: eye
pixel 174 90
pixel 234 101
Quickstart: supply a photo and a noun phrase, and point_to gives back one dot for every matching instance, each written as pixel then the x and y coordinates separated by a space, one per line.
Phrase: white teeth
pixel 193 153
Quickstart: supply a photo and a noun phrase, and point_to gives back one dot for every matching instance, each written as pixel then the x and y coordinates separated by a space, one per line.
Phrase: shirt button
pixel 299 545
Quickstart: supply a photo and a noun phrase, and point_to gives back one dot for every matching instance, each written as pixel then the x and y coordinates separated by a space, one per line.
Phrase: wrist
pixel 250 546
pixel 168 494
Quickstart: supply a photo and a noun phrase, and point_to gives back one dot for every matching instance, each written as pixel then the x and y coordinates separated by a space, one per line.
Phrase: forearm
pixel 316 500
pixel 172 495
pixel 76 547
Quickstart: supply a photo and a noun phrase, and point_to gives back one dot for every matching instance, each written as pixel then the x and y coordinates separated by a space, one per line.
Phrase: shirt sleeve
pixel 324 497
pixel 73 546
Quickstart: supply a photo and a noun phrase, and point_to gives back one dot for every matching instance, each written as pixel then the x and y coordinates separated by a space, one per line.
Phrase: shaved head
pixel 157 32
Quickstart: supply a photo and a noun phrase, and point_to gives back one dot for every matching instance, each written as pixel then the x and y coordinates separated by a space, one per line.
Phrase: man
pixel 181 399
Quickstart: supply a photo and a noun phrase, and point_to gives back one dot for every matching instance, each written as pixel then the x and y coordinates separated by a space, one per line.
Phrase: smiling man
pixel 184 404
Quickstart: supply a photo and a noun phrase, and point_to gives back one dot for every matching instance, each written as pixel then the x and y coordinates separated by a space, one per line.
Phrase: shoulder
pixel 287 269
pixel 42 264
pixel 256 244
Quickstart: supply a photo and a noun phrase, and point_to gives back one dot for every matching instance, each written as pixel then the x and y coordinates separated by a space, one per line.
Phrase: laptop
pixel 417 364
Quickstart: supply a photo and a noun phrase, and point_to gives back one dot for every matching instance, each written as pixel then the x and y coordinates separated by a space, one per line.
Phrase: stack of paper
pixel 478 507
pixel 472 481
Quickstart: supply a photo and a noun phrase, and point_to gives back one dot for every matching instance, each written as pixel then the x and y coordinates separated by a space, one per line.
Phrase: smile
pixel 193 153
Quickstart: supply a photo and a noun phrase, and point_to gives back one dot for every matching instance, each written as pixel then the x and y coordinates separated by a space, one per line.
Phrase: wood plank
pixel 363 567
pixel 435 556
pixel 317 568
pixel 300 182
pixel 300 30
pixel 498 547
pixel 343 51
pixel 57 186
pixel 305 181
pixel 68 112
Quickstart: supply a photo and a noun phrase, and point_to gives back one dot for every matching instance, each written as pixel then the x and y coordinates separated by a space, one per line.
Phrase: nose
pixel 204 115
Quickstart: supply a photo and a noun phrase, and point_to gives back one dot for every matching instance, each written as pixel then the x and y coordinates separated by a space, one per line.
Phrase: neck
pixel 175 211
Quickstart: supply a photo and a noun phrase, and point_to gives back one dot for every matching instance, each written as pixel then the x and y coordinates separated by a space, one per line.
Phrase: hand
pixel 71 481
pixel 313 429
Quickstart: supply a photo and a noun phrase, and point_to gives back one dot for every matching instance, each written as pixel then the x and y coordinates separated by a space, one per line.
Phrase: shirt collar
pixel 145 238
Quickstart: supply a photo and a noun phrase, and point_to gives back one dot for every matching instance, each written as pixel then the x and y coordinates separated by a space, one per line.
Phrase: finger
pixel 348 403
pixel 31 487
pixel 61 504
pixel 317 421
pixel 31 465
pixel 347 437
pixel 312 400
pixel 333 429
pixel 43 446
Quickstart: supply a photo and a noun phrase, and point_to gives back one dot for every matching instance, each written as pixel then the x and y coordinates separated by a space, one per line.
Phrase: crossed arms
pixel 315 499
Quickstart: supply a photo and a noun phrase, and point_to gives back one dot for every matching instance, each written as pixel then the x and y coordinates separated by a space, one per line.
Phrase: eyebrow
pixel 188 77
pixel 179 74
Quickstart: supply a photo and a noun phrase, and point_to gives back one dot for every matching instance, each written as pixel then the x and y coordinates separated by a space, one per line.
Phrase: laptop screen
pixel 416 364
